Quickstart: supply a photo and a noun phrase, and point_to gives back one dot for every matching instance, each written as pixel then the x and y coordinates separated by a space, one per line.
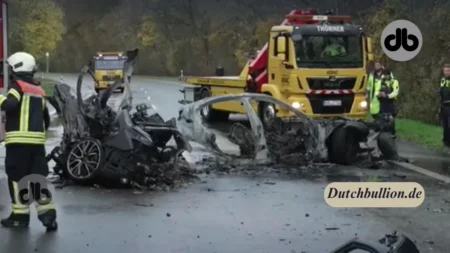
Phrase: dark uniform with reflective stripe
pixel 444 93
pixel 27 119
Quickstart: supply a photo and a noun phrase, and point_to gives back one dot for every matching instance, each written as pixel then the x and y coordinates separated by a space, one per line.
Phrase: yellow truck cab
pixel 108 68
pixel 316 63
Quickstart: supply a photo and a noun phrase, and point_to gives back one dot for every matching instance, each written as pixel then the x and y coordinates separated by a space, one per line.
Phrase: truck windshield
pixel 109 64
pixel 329 52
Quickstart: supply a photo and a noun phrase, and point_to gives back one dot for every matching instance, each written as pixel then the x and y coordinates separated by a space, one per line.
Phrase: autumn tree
pixel 36 26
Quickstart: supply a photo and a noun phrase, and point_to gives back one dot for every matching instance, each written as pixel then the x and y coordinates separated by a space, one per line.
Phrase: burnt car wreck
pixel 114 148
pixel 298 139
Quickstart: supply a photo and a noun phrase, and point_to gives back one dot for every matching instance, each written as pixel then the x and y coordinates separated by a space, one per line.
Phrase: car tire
pixel 76 154
pixel 209 114
pixel 344 146
pixel 267 113
pixel 387 147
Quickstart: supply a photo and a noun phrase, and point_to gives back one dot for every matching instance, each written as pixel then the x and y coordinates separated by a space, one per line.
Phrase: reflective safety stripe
pixel 26 134
pixel 25 137
pixel 17 210
pixel 18 207
pixel 24 113
pixel 43 208
pixel 24 141
pixel 15 93
pixel 2 99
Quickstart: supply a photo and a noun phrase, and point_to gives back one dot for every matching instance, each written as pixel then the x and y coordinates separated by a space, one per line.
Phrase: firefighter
pixel 27 120
pixel 383 96
pixel 444 94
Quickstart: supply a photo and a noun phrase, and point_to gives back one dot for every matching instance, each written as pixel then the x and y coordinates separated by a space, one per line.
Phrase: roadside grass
pixel 47 85
pixel 419 133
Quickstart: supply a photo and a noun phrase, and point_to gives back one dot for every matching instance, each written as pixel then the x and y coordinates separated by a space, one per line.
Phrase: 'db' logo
pixel 401 40
pixel 34 188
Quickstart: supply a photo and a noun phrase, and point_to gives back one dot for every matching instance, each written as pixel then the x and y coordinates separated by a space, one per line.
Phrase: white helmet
pixel 22 62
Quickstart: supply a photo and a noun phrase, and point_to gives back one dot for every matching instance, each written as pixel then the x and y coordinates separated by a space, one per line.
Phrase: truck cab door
pixel 276 52
pixel 280 63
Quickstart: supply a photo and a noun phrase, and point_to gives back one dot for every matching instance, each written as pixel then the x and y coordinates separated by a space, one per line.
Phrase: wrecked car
pixel 114 148
pixel 305 140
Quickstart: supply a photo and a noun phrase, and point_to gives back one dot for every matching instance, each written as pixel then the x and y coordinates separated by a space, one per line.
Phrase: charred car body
pixel 306 140
pixel 113 148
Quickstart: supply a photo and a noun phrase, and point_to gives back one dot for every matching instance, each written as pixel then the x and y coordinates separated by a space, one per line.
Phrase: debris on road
pixel 143 205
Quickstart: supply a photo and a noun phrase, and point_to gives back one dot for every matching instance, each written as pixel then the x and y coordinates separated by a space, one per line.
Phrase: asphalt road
pixel 228 213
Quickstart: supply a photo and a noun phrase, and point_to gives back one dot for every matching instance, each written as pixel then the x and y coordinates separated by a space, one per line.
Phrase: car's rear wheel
pixel 387 147
pixel 344 147
pixel 267 113
pixel 208 113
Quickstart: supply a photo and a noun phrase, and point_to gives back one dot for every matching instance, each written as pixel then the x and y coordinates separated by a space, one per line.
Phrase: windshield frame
pixel 105 62
pixel 353 33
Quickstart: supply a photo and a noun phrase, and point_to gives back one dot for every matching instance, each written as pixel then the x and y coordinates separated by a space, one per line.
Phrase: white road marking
pixel 423 171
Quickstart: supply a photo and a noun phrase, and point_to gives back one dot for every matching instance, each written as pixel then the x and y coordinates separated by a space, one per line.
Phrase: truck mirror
pixel 281 45
pixel 369 45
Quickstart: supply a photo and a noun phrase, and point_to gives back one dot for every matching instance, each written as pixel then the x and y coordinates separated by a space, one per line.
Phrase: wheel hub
pixel 269 113
pixel 84 159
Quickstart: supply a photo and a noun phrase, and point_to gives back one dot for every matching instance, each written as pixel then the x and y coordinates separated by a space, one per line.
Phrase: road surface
pixel 228 213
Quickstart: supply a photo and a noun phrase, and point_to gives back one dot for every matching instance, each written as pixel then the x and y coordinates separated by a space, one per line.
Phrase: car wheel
pixel 267 113
pixel 84 160
pixel 344 147
pixel 387 147
pixel 208 113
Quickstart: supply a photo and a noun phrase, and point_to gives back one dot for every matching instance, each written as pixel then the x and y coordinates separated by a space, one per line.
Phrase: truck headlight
pixel 363 104
pixel 296 105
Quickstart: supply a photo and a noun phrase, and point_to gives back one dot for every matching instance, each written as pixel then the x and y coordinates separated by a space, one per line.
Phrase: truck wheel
pixel 343 148
pixel 267 113
pixel 209 114
pixel 387 147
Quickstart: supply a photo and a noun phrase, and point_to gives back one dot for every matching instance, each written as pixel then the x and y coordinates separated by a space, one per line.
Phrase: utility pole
pixel 47 56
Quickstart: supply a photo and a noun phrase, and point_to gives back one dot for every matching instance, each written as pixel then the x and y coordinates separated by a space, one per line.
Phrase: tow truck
pixel 293 68
pixel 107 68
